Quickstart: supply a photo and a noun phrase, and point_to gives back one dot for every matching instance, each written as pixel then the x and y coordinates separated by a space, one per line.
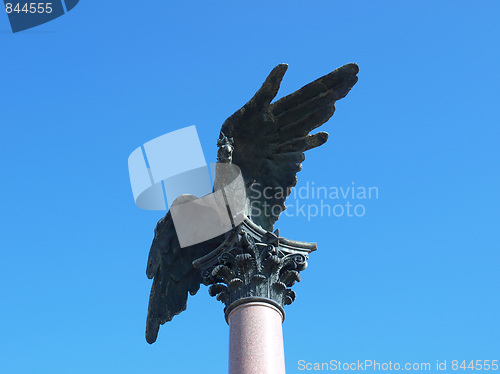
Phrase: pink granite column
pixel 256 339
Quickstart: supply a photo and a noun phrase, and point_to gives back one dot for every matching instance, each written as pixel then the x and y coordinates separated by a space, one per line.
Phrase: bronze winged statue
pixel 267 142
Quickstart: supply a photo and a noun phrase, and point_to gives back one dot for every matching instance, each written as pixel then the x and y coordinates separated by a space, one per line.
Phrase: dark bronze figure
pixel 267 142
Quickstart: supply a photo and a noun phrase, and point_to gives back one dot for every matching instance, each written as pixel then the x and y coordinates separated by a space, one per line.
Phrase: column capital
pixel 254 265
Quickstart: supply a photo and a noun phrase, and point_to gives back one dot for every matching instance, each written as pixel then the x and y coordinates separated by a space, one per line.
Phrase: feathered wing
pixel 270 139
pixel 174 275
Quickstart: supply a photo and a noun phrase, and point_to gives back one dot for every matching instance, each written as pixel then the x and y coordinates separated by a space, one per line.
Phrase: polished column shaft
pixel 256 339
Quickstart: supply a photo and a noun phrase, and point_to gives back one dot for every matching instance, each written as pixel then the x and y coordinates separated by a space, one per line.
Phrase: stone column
pixel 256 339
pixel 252 273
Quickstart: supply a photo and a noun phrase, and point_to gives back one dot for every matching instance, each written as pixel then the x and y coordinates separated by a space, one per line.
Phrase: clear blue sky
pixel 415 279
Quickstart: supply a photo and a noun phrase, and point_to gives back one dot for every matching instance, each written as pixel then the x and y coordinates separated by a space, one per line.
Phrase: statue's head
pixel 225 153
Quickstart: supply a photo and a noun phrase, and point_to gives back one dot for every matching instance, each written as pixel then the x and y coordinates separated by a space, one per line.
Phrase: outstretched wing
pixel 270 139
pixel 174 275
